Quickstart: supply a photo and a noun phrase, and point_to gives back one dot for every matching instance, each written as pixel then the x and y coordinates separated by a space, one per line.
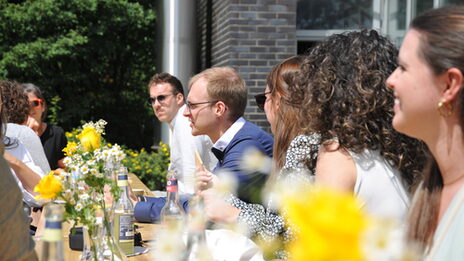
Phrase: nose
pixel 186 112
pixel 156 104
pixel 391 79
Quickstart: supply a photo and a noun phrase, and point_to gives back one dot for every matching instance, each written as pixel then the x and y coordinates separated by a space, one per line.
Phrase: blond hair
pixel 224 84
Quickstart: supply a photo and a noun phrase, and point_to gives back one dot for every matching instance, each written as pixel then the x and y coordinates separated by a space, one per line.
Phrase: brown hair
pixel 15 102
pixel 441 47
pixel 167 78
pixel 347 99
pixel 283 77
pixel 224 84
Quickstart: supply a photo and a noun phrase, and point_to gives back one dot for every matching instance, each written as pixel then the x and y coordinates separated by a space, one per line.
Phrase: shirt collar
pixel 222 143
pixel 180 113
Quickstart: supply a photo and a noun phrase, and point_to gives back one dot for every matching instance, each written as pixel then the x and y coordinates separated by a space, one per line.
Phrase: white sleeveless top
pixel 380 187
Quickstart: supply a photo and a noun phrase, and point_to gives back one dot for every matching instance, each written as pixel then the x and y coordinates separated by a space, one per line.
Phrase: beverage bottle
pixel 196 248
pixel 172 214
pixel 123 219
pixel 52 248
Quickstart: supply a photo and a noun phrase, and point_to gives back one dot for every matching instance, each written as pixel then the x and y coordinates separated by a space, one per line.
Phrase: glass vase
pixel 92 243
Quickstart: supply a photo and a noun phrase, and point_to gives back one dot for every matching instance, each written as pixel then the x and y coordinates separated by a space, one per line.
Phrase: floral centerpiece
pixel 331 225
pixel 81 187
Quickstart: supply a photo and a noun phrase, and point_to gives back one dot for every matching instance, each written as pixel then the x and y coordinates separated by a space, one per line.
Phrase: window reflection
pixel 334 14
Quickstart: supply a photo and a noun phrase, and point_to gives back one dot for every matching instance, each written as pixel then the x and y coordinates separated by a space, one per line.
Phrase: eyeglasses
pixel 35 102
pixel 261 100
pixel 160 99
pixel 191 105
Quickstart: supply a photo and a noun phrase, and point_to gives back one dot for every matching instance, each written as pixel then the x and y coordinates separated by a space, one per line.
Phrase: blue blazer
pixel 250 184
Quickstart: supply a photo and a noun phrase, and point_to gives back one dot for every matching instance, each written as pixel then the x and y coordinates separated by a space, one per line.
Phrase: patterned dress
pixel 264 223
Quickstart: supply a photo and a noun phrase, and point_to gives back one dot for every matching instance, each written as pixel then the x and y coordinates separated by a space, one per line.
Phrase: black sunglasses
pixel 260 100
pixel 160 99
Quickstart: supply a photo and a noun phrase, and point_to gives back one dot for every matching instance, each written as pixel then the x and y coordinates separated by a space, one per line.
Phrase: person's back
pixel 379 186
pixel 32 142
pixel 15 240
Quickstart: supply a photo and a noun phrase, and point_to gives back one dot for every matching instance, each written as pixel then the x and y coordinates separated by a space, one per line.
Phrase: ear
pixel 220 108
pixel 453 79
pixel 276 102
pixel 179 99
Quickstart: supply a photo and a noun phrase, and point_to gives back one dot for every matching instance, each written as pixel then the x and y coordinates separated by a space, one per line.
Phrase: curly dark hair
pixel 347 99
pixel 15 102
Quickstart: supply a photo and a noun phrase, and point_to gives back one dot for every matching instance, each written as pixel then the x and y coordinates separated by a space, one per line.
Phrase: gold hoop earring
pixel 445 109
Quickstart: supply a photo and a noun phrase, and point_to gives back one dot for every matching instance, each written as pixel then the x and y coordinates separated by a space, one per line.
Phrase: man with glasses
pixel 215 106
pixel 167 101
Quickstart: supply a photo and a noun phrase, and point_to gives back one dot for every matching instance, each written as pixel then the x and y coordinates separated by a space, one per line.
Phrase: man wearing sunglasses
pixel 215 107
pixel 167 100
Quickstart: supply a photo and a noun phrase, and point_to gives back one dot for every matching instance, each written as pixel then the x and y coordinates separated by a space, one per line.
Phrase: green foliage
pixel 95 55
pixel 150 167
pixel 53 110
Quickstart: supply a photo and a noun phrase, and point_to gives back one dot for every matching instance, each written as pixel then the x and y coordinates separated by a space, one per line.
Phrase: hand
pixel 33 124
pixel 216 209
pixel 204 179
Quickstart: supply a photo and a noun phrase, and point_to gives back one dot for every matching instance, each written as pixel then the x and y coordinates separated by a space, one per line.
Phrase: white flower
pixel 254 160
pixel 384 240
pixel 91 162
pixel 227 183
pixel 85 169
pixel 85 196
pixel 67 160
pixel 78 206
pixel 169 244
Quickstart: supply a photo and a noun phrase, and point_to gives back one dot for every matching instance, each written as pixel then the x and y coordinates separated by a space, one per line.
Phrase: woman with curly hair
pixel 428 86
pixel 348 104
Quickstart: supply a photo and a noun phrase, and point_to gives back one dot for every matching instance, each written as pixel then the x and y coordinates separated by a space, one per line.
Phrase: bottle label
pixel 52 232
pixel 126 228
pixel 171 185
pixel 123 180
pixel 122 183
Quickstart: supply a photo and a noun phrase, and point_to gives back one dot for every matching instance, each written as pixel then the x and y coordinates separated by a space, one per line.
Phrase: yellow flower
pixel 90 139
pixel 329 224
pixel 48 187
pixel 70 149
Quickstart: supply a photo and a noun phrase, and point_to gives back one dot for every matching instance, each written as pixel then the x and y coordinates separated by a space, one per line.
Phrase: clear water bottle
pixel 123 219
pixel 172 214
pixel 52 248
pixel 196 248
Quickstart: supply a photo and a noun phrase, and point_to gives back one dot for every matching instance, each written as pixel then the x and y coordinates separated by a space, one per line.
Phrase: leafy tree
pixel 93 59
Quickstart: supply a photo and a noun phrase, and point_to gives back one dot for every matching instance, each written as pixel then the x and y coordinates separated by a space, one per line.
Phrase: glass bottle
pixel 52 249
pixel 172 214
pixel 196 248
pixel 123 218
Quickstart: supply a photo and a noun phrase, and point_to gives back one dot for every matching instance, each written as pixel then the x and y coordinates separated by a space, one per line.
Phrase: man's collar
pixel 180 113
pixel 230 133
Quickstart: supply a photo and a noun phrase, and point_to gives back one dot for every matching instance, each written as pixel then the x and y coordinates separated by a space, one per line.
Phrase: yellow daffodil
pixel 48 187
pixel 90 139
pixel 329 224
pixel 70 149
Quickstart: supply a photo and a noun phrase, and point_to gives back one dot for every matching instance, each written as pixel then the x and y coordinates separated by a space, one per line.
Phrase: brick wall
pixel 250 35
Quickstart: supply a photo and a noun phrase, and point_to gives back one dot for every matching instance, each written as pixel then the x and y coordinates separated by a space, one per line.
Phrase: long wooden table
pixel 148 231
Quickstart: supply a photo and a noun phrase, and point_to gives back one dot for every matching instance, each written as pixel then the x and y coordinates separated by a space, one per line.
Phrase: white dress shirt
pixel 183 145
pixel 223 141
